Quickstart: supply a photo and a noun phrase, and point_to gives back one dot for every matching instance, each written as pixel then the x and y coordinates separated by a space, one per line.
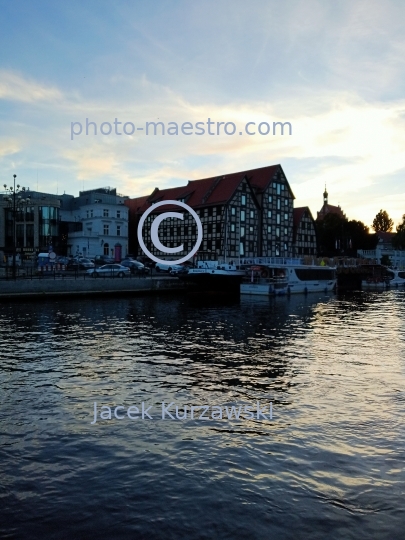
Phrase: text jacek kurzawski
pixel 172 411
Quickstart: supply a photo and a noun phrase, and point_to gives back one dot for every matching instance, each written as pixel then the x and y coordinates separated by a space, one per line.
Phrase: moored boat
pixel 212 276
pixel 287 276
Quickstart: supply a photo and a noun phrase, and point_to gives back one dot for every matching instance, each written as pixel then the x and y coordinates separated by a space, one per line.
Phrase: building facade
pixel 244 214
pixel 304 238
pixel 95 223
pixel 36 225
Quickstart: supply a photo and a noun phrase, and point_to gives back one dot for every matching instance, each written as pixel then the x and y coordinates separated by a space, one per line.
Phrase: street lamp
pixel 15 200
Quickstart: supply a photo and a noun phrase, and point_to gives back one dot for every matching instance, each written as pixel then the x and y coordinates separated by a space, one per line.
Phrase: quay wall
pixel 49 288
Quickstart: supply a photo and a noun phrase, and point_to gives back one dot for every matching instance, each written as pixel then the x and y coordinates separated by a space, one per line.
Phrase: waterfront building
pixel 384 249
pixel 37 225
pixel 304 234
pixel 95 223
pixel 243 214
pixel 329 208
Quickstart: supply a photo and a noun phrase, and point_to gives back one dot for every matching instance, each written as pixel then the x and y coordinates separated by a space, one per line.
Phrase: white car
pixel 167 267
pixel 114 270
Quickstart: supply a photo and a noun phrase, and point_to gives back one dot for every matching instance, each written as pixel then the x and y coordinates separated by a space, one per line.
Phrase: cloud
pixel 14 87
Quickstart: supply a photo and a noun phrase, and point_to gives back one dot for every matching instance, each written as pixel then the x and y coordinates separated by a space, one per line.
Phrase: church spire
pixel 325 196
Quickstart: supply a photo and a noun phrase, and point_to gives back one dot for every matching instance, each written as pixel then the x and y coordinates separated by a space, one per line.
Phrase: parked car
pixel 114 270
pixel 63 260
pixel 160 267
pixel 80 264
pixel 100 260
pixel 182 268
pixel 136 267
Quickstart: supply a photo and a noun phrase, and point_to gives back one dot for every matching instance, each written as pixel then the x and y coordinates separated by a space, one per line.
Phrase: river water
pixel 329 464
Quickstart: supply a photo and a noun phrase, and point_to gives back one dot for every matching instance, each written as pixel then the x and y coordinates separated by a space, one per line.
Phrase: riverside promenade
pixel 50 287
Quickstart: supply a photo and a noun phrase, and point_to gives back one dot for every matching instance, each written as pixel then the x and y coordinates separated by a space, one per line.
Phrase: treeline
pixel 337 234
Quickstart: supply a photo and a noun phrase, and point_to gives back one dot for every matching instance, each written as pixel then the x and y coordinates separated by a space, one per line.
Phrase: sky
pixel 334 70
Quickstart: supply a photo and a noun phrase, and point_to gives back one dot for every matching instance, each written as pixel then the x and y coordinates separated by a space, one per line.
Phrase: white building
pixel 96 223
pixel 384 247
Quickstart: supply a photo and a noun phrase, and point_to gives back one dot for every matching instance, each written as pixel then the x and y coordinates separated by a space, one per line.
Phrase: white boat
pixel 210 275
pixel 393 278
pixel 396 277
pixel 280 276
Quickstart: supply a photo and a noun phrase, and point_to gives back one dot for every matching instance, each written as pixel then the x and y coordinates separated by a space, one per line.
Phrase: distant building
pixel 384 247
pixel 95 223
pixel 244 214
pixel 37 225
pixel 329 208
pixel 304 236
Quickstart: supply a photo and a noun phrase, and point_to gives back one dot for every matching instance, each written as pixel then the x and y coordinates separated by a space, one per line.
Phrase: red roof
pixel 210 191
pixel 330 209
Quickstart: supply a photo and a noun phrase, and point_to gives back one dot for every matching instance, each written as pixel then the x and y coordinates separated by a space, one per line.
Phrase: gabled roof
pixel 212 191
pixel 298 214
pixel 330 209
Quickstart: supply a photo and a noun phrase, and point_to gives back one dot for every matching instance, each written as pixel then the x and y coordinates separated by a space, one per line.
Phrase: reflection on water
pixel 329 464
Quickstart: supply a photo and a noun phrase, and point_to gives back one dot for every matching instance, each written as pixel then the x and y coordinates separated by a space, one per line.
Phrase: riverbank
pixel 35 289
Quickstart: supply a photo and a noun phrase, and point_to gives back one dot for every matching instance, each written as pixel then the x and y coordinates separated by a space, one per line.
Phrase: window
pixel 274 185
pixel 278 189
pixel 118 230
pixel 285 246
pixel 106 248
pixel 118 214
pixel 285 202
pixel 282 187
pixel 232 227
pixel 242 249
pixel 270 199
pixel 242 232
pixel 285 231
pixel 252 214
pixel 233 211
pixel 278 232
pixel 278 204
pixel 285 217
pixel 106 230
pixel 105 212
pixel 251 229
pixel 91 212
pixel 243 200
pixel 87 213
pixel 242 215
pixel 269 229
pixel 278 219
pixel 269 213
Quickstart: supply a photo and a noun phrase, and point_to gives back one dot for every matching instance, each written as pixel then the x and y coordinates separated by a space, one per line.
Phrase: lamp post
pixel 15 201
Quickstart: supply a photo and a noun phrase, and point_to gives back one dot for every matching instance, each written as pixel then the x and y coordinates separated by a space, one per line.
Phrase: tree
pixel 382 222
pixel 338 236
pixel 398 240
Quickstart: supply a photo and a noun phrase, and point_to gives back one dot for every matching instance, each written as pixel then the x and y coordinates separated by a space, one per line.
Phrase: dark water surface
pixel 329 465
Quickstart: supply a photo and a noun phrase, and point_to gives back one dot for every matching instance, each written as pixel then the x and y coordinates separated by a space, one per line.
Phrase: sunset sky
pixel 334 70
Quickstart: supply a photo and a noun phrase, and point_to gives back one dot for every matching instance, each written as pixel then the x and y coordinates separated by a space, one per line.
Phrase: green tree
pixel 382 222
pixel 398 240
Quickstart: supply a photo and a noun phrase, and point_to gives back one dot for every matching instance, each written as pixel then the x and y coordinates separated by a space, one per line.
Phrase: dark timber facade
pixel 244 214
